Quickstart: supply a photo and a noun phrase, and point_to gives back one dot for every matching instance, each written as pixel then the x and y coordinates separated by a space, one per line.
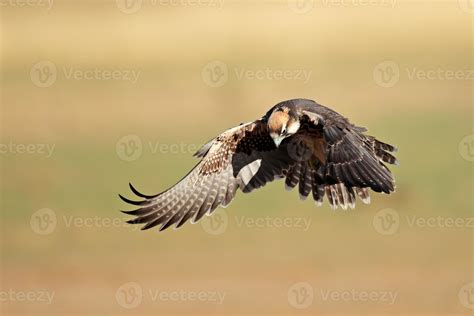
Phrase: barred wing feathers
pixel 243 157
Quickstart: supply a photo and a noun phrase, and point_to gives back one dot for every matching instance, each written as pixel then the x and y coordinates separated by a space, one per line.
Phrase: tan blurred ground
pixel 172 105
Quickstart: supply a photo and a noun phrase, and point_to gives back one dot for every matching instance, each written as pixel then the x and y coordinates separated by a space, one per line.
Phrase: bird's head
pixel 282 124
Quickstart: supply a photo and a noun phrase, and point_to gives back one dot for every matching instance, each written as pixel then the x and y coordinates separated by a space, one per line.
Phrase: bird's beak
pixel 277 140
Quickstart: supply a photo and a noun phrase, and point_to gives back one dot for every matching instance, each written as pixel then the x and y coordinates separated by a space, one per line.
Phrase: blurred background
pixel 96 94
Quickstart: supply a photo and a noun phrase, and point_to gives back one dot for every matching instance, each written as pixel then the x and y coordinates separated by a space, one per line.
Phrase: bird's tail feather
pixel 308 181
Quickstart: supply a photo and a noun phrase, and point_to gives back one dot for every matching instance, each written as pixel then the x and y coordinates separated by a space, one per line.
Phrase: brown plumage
pixel 310 145
pixel 277 120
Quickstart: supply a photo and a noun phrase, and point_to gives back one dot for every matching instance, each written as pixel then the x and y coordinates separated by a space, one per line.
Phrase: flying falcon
pixel 300 140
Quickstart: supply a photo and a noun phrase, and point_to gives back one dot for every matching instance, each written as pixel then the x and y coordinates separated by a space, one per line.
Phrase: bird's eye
pixel 283 131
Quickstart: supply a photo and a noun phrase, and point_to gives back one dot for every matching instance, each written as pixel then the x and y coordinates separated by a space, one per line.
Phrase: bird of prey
pixel 305 143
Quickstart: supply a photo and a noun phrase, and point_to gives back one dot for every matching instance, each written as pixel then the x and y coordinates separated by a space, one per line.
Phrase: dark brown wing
pixel 345 163
pixel 243 157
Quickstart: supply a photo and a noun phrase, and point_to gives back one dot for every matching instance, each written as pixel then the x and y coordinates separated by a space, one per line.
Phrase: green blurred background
pixel 381 64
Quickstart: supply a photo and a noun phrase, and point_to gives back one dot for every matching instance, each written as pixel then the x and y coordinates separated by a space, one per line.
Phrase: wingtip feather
pixel 137 193
pixel 131 201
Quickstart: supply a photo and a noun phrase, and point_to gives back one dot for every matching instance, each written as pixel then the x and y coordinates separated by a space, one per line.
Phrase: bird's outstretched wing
pixel 328 156
pixel 243 157
pixel 344 161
